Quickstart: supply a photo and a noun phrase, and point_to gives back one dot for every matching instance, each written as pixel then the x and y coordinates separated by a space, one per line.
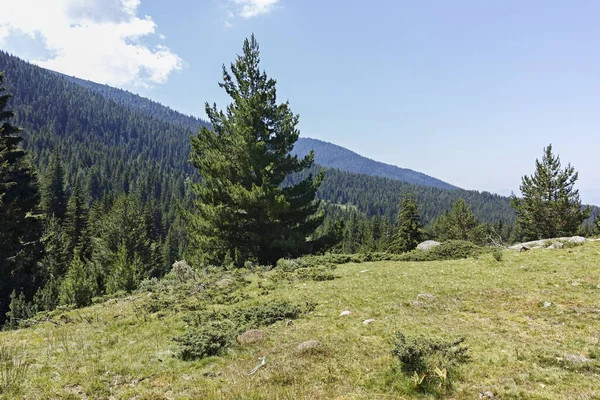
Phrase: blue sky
pixel 467 91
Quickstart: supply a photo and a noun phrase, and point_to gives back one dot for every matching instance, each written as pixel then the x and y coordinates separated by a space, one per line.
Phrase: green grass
pixel 124 349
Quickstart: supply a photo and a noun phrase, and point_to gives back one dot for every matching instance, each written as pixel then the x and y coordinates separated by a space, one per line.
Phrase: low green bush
pixel 213 330
pixel 430 363
pixel 205 341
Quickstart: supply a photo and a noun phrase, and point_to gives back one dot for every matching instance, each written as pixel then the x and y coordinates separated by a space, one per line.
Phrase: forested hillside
pixel 333 156
pixel 326 154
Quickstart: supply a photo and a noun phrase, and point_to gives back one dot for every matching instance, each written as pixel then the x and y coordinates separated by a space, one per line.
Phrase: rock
pixel 368 321
pixel 426 245
pixel 556 245
pixel 576 358
pixel 576 239
pixel 344 313
pixel 252 336
pixel 289 322
pixel 546 304
pixel 425 296
pixel 310 346
pixel 487 395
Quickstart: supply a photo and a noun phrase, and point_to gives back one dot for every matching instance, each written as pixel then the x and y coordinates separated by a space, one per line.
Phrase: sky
pixel 469 92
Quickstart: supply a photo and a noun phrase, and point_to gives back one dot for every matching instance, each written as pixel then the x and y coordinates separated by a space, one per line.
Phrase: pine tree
pixel 20 227
pixel 57 255
pixel 54 198
pixel 243 211
pixel 409 229
pixel 459 224
pixel 550 206
pixel 78 286
pixel 124 272
pixel 76 217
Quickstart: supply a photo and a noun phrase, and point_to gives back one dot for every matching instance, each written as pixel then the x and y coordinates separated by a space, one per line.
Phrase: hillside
pixel 527 321
pixel 327 155
pixel 114 142
pixel 333 156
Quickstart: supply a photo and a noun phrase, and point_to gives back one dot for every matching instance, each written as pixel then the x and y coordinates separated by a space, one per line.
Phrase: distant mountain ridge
pixel 328 155
pixel 333 156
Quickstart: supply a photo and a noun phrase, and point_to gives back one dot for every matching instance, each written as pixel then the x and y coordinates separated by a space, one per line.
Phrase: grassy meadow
pixel 531 322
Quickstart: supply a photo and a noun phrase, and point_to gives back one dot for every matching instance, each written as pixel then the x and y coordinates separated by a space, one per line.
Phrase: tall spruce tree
pixel 20 227
pixel 76 218
pixel 54 198
pixel 550 206
pixel 243 211
pixel 409 229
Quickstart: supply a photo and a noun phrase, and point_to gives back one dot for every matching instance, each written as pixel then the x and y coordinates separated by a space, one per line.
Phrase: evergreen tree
pixel 19 310
pixel 54 198
pixel 20 228
pixel 409 229
pixel 57 255
pixel 78 286
pixel 550 206
pixel 124 272
pixel 243 211
pixel 76 217
pixel 459 224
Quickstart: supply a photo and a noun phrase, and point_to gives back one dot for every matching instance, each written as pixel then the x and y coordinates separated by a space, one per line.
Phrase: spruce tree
pixel 20 226
pixel 78 287
pixel 409 229
pixel 243 211
pixel 54 198
pixel 459 224
pixel 550 206
pixel 76 217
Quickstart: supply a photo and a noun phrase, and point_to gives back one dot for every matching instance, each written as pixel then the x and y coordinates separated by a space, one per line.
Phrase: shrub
pixel 315 274
pixel 208 340
pixel 497 254
pixel 430 363
pixel 215 330
pixel 182 272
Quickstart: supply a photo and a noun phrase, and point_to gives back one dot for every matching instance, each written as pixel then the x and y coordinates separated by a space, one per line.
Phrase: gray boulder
pixel 426 245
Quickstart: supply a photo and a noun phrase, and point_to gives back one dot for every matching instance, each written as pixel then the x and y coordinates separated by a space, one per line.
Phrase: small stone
pixel 251 336
pixel 309 346
pixel 576 358
pixel 345 313
pixel 487 395
pixel 547 304
pixel 368 321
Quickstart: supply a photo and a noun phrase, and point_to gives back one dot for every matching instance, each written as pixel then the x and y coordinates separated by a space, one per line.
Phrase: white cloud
pixel 99 40
pixel 252 8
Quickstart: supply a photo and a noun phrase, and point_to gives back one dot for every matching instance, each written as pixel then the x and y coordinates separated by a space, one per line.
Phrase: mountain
pixel 333 156
pixel 327 154
pixel 117 142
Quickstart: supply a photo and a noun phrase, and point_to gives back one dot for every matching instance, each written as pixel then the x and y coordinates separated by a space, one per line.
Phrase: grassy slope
pixel 115 350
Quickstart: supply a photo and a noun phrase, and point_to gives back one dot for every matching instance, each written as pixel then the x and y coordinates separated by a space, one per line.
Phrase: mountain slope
pixel 326 154
pixel 333 156
pixel 117 142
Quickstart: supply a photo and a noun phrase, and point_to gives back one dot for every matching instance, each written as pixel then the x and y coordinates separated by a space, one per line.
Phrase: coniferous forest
pixel 98 192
